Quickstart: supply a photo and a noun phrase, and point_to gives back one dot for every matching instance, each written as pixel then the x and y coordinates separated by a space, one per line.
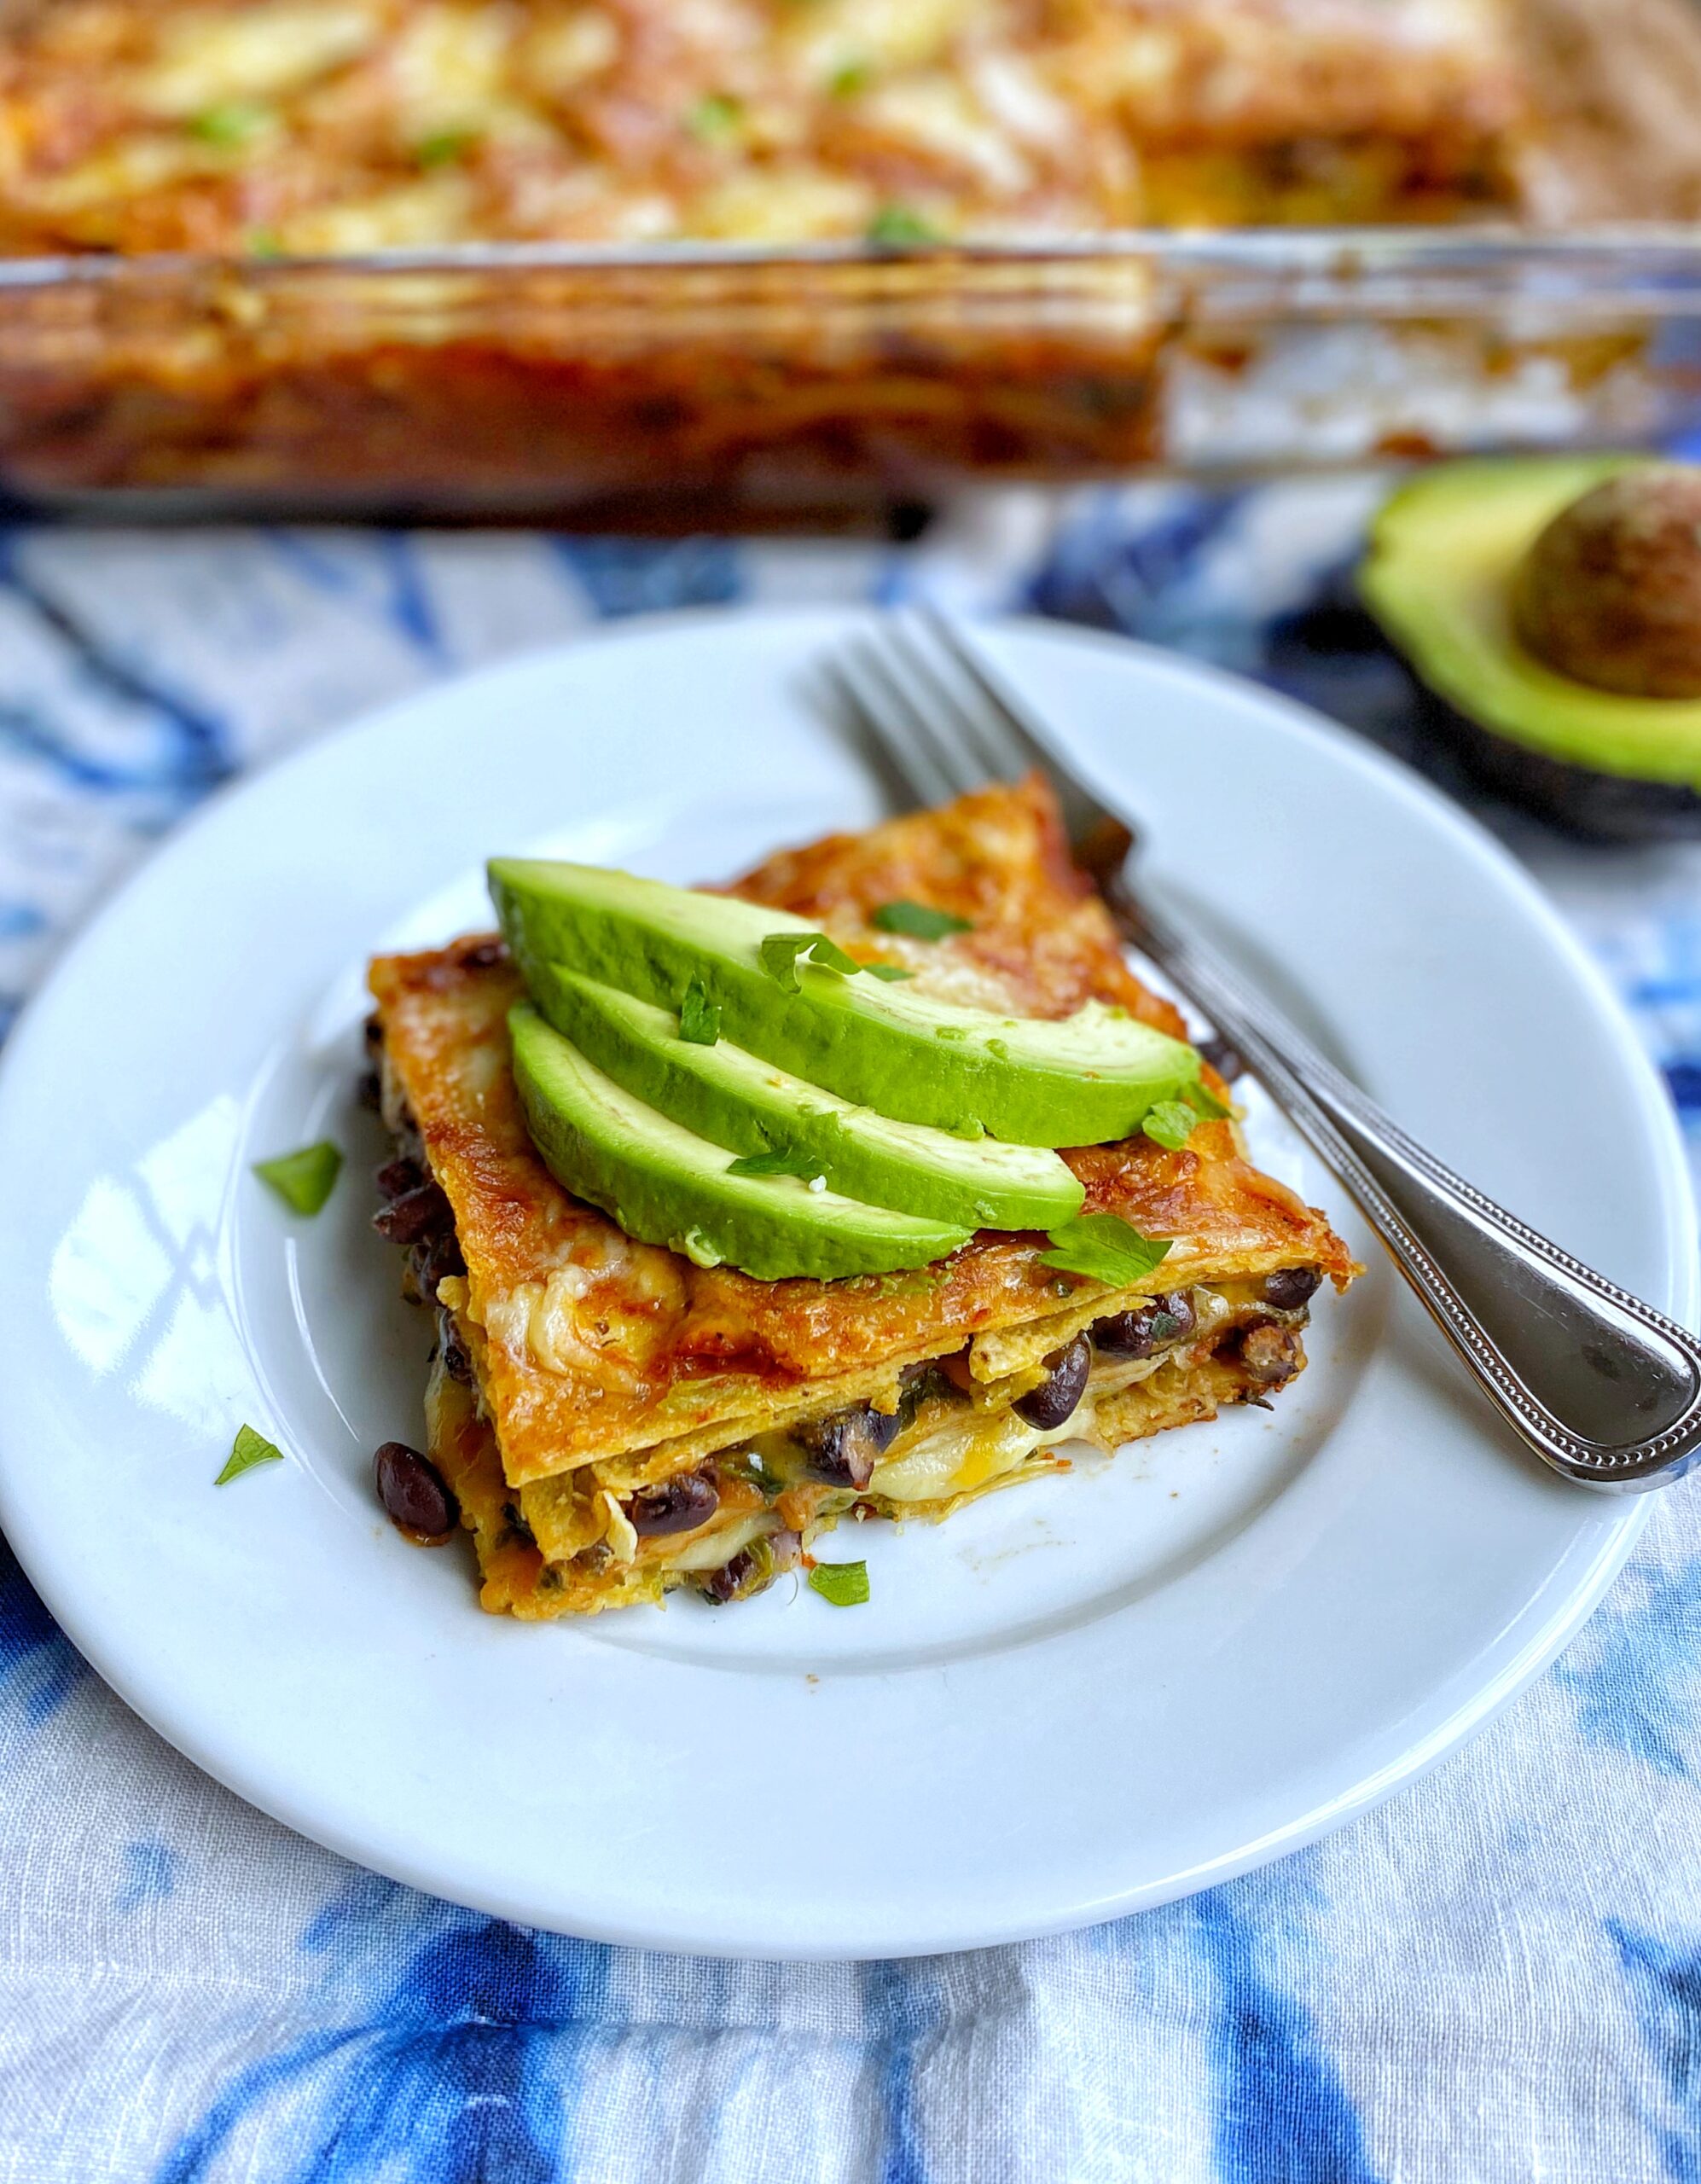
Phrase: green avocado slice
pixel 1085 1081
pixel 1438 578
pixel 753 1106
pixel 665 1185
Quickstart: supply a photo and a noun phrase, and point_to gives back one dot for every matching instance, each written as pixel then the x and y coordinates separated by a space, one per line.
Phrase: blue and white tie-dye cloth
pixel 1495 1978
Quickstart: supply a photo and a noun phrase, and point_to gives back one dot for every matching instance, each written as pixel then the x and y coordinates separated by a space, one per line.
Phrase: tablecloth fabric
pixel 1494 1978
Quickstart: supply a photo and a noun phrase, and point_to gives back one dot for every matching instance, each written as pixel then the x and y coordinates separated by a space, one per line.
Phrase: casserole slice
pixel 617 1421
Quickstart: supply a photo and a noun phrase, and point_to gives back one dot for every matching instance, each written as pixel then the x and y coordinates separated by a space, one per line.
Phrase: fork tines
pixel 942 719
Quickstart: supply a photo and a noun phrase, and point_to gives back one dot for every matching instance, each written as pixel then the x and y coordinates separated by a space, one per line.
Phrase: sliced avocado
pixel 754 1106
pixel 1439 577
pixel 665 1185
pixel 1085 1081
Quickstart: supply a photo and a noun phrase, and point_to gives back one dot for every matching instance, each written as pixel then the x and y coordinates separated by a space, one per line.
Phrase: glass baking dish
pixel 687 383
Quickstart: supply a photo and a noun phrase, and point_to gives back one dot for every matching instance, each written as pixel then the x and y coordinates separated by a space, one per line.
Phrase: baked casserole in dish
pixel 524 254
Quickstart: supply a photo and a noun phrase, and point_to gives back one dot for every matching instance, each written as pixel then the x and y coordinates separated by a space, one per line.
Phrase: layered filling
pixel 934 1434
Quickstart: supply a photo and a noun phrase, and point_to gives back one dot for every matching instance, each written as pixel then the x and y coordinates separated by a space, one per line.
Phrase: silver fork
pixel 1605 1390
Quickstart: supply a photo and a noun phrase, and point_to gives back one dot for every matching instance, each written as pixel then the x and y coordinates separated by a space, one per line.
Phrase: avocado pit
pixel 1610 593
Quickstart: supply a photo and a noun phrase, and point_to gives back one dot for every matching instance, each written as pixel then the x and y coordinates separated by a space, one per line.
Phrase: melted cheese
pixel 216 56
pixel 972 1451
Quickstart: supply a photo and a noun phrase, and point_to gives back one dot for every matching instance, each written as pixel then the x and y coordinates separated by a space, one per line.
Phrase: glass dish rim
pixel 1350 258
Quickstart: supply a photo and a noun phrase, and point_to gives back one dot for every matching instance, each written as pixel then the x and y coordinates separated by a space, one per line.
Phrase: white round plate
pixel 1090 1694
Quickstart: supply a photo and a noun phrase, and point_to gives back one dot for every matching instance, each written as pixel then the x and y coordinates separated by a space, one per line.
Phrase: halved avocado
pixel 753 1106
pixel 665 1185
pixel 1439 577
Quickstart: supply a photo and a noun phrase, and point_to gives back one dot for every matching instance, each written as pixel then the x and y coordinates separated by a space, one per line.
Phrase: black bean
pixel 480 955
pixel 397 1178
pixel 416 1215
pixel 678 1505
pixel 372 1036
pixel 1148 1329
pixel 458 1359
pixel 841 1449
pixel 1290 1286
pixel 432 1261
pixel 1270 1353
pixel 370 1091
pixel 1225 1060
pixel 747 1573
pixel 1055 1399
pixel 414 1498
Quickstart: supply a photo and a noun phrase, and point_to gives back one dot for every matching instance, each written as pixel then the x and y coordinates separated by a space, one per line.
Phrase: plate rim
pixel 1662 1133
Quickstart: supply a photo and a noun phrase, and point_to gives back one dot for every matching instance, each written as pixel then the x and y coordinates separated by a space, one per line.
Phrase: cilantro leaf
pixel 895 226
pixel 777 1164
pixel 1105 1246
pixel 716 117
pixel 248 1450
pixel 828 955
pixel 229 124
pixel 303 1180
pixel 699 1018
pixel 754 1473
pixel 781 952
pixel 445 148
pixel 1170 1124
pixel 1203 1103
pixel 891 973
pixel 845 1584
pixel 916 921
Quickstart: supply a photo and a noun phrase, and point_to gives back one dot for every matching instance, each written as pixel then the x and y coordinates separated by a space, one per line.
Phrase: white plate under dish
pixel 1088 1694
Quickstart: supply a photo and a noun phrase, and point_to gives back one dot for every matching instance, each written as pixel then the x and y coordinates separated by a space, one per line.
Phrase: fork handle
pixel 1601 1386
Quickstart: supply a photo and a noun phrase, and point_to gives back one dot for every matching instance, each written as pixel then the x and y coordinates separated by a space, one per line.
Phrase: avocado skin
pixel 873 1044
pixel 664 1185
pixel 1438 579
pixel 1603 807
pixel 975 1183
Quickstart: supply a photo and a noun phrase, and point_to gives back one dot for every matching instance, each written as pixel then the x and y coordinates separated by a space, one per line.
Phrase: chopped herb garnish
pixel 1206 1104
pixel 303 1180
pixel 891 973
pixel 781 952
pixel 444 148
pixel 1170 1124
pixel 754 1473
pixel 715 118
pixel 894 227
pixel 852 80
pixel 699 1018
pixel 828 956
pixel 917 922
pixel 777 1164
pixel 248 1450
pixel 229 124
pixel 1105 1246
pixel 845 1584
